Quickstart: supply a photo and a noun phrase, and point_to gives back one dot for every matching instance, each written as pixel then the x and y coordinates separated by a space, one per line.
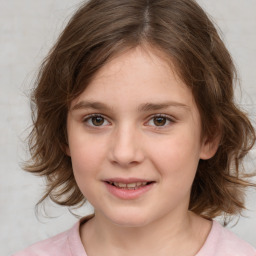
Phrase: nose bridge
pixel 126 147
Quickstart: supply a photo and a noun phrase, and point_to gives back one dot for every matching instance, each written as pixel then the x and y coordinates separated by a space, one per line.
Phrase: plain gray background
pixel 28 29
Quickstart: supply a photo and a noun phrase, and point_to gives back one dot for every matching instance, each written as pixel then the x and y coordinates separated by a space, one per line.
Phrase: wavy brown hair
pixel 98 32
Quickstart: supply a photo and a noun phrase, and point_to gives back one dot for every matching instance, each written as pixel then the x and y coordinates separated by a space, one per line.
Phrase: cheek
pixel 86 160
pixel 176 149
pixel 176 158
pixel 86 155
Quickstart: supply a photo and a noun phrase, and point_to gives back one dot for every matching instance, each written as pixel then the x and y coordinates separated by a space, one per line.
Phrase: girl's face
pixel 135 140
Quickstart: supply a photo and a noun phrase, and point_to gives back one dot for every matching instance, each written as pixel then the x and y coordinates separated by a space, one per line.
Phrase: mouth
pixel 131 185
pixel 128 189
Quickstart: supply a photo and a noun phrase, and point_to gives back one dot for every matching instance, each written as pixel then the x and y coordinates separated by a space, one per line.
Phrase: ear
pixel 67 150
pixel 210 146
pixel 65 145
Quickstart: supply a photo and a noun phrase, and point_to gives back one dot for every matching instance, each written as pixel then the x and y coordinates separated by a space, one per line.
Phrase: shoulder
pixel 67 243
pixel 222 242
pixel 52 246
pixel 230 243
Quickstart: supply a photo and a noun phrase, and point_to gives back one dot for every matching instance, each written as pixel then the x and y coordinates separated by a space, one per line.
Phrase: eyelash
pixel 87 118
pixel 169 120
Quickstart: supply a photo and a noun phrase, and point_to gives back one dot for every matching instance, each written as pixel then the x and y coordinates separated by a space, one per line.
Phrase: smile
pixel 128 185
pixel 128 189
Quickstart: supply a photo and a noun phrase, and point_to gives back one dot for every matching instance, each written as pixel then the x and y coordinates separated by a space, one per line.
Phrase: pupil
pixel 97 120
pixel 160 121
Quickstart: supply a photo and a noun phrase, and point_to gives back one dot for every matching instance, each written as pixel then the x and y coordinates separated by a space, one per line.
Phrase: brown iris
pixel 97 120
pixel 160 121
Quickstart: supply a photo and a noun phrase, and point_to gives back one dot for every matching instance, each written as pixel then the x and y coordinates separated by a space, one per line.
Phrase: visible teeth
pixel 121 185
pixel 129 185
pixel 132 185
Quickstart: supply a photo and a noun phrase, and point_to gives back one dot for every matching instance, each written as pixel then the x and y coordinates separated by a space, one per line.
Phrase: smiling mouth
pixel 129 186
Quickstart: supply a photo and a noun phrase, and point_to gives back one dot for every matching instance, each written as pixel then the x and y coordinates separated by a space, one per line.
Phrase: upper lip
pixel 127 180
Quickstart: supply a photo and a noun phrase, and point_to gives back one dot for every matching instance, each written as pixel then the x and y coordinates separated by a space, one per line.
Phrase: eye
pixel 95 120
pixel 160 121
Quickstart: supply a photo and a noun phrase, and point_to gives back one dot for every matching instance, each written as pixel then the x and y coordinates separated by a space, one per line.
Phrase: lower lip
pixel 128 194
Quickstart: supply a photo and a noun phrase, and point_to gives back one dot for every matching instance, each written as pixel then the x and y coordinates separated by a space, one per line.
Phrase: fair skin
pixel 145 134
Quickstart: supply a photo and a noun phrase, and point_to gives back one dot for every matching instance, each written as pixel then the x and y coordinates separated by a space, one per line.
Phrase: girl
pixel 134 112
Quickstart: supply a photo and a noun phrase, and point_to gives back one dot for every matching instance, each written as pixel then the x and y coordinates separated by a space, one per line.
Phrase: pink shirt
pixel 220 242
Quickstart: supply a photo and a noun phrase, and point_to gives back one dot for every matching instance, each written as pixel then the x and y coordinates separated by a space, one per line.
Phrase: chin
pixel 130 219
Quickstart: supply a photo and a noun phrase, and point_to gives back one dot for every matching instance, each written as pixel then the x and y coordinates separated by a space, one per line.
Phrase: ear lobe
pixel 66 145
pixel 210 147
pixel 67 150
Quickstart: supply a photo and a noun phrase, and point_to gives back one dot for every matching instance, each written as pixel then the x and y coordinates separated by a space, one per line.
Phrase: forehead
pixel 141 74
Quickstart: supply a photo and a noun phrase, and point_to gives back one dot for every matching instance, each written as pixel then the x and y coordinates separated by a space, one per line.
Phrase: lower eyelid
pixel 169 121
pixel 88 117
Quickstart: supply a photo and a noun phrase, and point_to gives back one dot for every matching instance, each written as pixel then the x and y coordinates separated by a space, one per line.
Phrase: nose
pixel 126 149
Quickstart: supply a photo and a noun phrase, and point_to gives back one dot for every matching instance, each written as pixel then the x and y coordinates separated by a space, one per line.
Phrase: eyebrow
pixel 145 107
pixel 90 104
pixel 158 106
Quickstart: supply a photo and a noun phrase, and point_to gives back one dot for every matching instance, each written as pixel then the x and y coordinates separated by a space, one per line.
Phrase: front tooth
pixel 131 185
pixel 121 185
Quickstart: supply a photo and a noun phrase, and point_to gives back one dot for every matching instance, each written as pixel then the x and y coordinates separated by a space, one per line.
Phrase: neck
pixel 162 237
